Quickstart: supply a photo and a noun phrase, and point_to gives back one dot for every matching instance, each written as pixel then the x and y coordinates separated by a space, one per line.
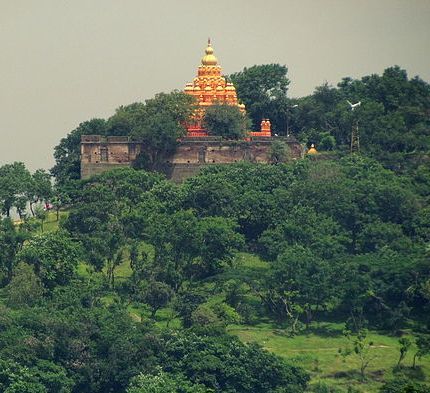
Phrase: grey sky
pixel 63 62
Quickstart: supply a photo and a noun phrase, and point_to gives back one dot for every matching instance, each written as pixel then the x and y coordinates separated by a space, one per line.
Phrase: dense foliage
pixel 226 121
pixel 158 123
pixel 393 118
pixel 139 288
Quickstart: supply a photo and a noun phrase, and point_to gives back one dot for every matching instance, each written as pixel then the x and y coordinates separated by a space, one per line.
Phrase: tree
pixel 298 283
pixel 405 344
pixel 226 121
pixel 15 180
pixel 40 188
pixel 186 302
pixel 54 256
pixel 164 383
pixel 328 142
pixel 263 90
pixel 278 152
pixel 362 348
pixel 159 125
pixel 423 344
pixel 60 199
pixel 25 288
pixel 217 240
pixel 157 295
pixel 212 316
pixel 41 214
pixel 67 153
pixel 125 119
pixel 12 238
pixel 224 364
pixel 44 377
pixel 189 248
pixel 303 226
pixel 109 210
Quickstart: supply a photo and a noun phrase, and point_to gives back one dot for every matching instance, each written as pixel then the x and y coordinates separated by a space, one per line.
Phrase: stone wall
pixel 100 154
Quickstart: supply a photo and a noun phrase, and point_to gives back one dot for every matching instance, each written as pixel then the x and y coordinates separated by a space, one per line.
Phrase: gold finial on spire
pixel 209 59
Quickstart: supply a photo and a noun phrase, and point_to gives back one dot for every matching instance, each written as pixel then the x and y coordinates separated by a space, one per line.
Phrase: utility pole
pixel 355 136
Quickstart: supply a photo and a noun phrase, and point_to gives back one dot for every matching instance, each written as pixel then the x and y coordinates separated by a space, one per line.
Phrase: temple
pixel 197 149
pixel 210 87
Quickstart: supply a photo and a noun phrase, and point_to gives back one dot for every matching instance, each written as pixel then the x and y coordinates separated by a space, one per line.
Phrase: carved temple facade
pixel 210 87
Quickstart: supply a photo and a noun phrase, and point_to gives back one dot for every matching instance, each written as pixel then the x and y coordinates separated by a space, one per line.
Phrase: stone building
pixel 196 149
pixel 100 154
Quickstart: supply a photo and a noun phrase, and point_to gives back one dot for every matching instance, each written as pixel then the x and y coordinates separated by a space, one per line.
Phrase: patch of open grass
pixel 51 224
pixel 319 354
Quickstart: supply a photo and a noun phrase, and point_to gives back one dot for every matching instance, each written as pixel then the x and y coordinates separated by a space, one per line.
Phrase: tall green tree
pixel 68 152
pixel 263 90
pixel 40 188
pixel 25 288
pixel 12 239
pixel 159 125
pixel 15 180
pixel 54 257
pixel 226 121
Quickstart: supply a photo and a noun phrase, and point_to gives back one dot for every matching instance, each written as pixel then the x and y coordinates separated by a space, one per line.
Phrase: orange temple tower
pixel 210 87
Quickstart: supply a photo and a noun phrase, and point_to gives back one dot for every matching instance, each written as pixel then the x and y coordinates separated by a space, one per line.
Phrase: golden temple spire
pixel 209 87
pixel 209 59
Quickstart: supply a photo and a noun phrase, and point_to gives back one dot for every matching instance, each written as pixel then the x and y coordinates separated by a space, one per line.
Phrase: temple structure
pixel 210 87
pixel 197 149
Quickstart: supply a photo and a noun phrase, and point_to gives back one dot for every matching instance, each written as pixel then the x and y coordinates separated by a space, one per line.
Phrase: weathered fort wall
pixel 100 154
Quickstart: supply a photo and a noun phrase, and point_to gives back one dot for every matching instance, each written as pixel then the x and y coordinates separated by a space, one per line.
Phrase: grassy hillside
pixel 315 349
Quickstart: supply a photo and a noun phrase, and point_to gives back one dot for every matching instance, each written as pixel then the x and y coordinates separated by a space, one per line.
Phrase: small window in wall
pixel 103 154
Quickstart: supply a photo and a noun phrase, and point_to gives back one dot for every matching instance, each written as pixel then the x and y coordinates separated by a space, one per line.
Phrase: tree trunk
pixel 362 369
pixel 308 317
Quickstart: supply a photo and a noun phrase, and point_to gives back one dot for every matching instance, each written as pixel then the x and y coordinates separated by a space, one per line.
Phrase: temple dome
pixel 312 150
pixel 209 58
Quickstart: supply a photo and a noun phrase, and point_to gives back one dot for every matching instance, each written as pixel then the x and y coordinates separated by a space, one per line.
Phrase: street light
pixel 288 117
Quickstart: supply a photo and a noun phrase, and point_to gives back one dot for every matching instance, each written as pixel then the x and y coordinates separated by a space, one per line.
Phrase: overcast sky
pixel 64 62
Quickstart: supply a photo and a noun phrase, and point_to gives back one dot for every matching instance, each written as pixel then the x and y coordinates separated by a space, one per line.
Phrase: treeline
pixel 345 240
pixel 345 237
pixel 21 190
pixel 393 119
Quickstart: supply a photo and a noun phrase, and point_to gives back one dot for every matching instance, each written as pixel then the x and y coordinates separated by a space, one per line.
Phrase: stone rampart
pixel 100 154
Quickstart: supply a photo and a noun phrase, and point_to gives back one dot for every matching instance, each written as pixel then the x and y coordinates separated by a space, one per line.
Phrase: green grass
pixel 317 352
pixel 51 224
